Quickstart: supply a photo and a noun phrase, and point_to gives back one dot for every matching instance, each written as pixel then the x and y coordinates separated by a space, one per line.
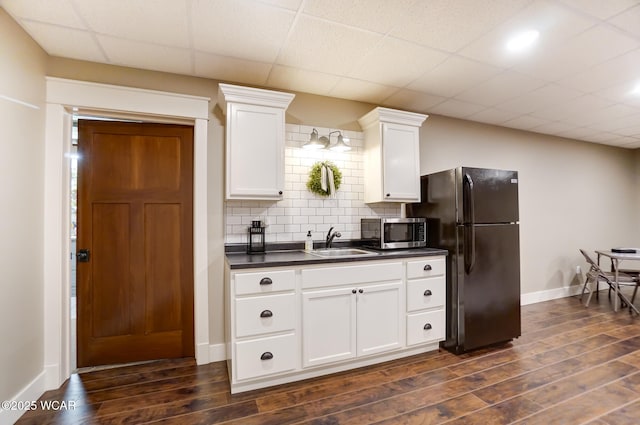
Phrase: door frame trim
pixel 62 95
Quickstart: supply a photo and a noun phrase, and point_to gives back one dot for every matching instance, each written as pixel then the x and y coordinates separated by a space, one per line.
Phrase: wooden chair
pixel 597 275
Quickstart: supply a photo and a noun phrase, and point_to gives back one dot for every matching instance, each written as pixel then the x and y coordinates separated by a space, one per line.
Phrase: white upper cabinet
pixel 254 141
pixel 391 155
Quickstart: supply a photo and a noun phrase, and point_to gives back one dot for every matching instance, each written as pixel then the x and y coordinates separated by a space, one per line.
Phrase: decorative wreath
pixel 316 185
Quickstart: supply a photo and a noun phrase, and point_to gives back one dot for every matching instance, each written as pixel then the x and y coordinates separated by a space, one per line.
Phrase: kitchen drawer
pixel 264 314
pixel 264 282
pixel 425 327
pixel 266 356
pixel 346 275
pixel 426 293
pixel 427 267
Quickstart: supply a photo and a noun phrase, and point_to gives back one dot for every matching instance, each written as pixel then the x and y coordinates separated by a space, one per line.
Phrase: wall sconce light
pixel 324 142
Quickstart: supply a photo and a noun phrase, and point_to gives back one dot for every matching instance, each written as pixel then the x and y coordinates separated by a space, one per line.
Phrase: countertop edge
pixel 239 261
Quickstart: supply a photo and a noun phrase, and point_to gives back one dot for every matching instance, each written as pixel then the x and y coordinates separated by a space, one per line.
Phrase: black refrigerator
pixel 473 213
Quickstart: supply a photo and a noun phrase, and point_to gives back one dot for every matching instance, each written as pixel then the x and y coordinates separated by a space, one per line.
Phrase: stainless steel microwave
pixel 393 233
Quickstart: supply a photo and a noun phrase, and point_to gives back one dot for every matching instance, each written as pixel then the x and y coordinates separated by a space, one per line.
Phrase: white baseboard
pixel 52 377
pixel 30 393
pixel 217 352
pixel 549 294
pixel 202 354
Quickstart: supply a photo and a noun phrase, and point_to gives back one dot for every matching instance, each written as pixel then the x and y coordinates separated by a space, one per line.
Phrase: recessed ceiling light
pixel 636 90
pixel 522 41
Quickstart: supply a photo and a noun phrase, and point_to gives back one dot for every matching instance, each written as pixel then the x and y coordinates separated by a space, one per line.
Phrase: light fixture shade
pixel 340 145
pixel 315 142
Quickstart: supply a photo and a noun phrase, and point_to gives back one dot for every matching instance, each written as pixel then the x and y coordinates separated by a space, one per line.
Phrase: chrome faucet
pixel 330 237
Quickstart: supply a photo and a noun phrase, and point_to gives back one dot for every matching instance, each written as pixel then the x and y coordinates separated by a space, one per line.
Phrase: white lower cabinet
pixel 426 296
pixel 266 356
pixel 287 324
pixel 344 323
pixel 329 322
pixel 425 327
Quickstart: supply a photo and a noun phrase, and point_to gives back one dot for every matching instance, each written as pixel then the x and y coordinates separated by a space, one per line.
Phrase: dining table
pixel 616 258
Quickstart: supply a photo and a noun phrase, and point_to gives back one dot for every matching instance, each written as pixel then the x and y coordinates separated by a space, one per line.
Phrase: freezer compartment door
pixel 488 273
pixel 487 196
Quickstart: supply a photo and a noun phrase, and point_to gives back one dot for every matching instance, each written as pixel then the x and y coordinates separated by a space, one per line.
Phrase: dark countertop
pixel 297 257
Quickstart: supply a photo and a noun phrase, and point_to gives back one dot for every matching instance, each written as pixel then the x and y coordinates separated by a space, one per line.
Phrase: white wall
pixel 22 91
pixel 572 194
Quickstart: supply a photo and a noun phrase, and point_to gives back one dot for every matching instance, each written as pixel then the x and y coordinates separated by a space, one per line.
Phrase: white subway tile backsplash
pixel 300 210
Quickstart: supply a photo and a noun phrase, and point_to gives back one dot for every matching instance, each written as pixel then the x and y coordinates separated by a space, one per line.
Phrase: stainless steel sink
pixel 341 252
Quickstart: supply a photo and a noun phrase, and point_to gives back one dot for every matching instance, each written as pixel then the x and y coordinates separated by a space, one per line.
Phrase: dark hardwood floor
pixel 572 365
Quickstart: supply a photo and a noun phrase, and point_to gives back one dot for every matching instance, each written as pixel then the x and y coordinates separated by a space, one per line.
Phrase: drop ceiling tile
pixel 599 8
pixel 554 127
pixel 633 131
pixel 373 15
pixel 616 111
pixel 500 88
pixel 574 110
pixel 525 122
pixel 616 124
pixel 623 92
pixel 554 22
pixel 146 56
pixel 578 133
pixel 65 42
pixel 571 56
pixel 453 76
pixel 493 116
pixel 319 45
pixel 615 71
pixel 231 69
pixel 544 97
pixel 456 108
pixel 285 4
pixel 397 62
pixel 364 91
pixel 451 25
pixel 629 20
pixel 59 12
pixel 152 21
pixel 248 30
pixel 300 80
pixel 603 137
pixel 412 100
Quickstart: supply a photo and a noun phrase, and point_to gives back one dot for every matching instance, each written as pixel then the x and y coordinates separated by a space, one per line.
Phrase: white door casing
pixel 157 106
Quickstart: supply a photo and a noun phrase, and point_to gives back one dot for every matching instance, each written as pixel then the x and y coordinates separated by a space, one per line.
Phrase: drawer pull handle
pixel 427 268
pixel 266 281
pixel 427 326
pixel 266 356
pixel 266 313
pixel 427 293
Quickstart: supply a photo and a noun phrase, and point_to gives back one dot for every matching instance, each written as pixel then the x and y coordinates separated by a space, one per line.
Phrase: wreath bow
pixel 324 179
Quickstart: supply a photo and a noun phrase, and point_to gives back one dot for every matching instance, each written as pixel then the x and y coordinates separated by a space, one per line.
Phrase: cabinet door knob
pixel 267 355
pixel 427 268
pixel 427 326
pixel 266 281
pixel 266 313
pixel 427 293
pixel 361 290
pixel 353 291
pixel 279 192
pixel 388 195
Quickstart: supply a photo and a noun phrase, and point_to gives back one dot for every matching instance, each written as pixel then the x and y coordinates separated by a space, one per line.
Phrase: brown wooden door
pixel 135 203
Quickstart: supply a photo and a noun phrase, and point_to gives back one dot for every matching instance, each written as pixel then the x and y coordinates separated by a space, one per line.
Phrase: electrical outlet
pixel 578 270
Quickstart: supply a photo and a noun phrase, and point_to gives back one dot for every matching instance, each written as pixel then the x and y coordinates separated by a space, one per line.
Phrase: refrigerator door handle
pixel 470 230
